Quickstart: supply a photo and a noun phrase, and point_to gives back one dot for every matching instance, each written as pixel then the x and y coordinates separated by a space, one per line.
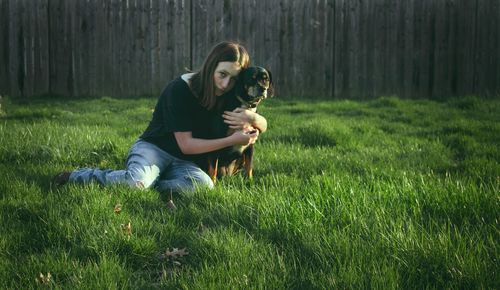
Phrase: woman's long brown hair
pixel 202 82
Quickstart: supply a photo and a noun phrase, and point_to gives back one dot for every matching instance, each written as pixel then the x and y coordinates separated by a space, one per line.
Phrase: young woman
pixel 165 155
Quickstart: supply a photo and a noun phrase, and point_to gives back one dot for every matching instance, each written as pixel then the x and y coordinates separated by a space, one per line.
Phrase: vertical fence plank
pixel 460 47
pixel 354 35
pixel 170 42
pixel 279 72
pixel 133 48
pixel 339 48
pixel 466 34
pixel 119 49
pixel 421 63
pixel 486 51
pixel 88 55
pixel 155 51
pixel 40 34
pixel 99 46
pixel 496 54
pixel 110 78
pixel 323 43
pixel 79 48
pixel 199 16
pixel 362 56
pixel 369 47
pixel 16 50
pixel 297 58
pixel 267 46
pixel 437 50
pixel 85 28
pixel 29 44
pixel 145 61
pixel 380 35
pixel 329 47
pixel 290 59
pixel 135 77
pixel 76 64
pixel 392 46
pixel 408 18
pixel 60 45
pixel 125 48
pixel 400 22
pixel 450 50
pixel 162 42
pixel 108 51
pixel 182 45
pixel 4 50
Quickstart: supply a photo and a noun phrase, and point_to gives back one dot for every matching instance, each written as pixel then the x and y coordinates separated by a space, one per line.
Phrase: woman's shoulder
pixel 178 92
pixel 178 86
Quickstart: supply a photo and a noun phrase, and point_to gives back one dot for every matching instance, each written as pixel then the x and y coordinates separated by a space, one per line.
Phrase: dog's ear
pixel 270 90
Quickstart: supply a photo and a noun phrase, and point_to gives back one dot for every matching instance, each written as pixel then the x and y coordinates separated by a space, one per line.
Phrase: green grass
pixel 384 194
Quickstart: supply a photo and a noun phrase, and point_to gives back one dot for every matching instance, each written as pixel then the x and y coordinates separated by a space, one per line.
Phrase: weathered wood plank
pixel 340 45
pixel 369 43
pixel 29 46
pixel 485 68
pixel 4 47
pixel 182 45
pixel 17 61
pixel 408 53
pixel 392 47
pixel 466 41
pixel 380 40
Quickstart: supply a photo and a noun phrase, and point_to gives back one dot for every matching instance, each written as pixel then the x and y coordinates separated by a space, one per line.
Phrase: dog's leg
pixel 248 161
pixel 213 163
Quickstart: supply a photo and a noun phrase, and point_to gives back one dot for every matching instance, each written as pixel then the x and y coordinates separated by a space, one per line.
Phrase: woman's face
pixel 225 76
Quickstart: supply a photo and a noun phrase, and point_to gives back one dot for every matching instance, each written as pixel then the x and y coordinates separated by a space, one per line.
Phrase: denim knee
pixel 143 177
pixel 185 182
pixel 201 179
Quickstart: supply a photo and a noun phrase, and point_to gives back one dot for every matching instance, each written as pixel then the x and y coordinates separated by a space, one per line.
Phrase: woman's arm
pixel 190 145
pixel 243 118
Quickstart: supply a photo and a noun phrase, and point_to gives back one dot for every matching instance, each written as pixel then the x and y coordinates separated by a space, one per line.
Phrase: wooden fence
pixel 315 48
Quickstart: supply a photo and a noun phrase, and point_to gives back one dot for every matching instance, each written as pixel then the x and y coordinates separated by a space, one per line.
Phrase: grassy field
pixel 384 194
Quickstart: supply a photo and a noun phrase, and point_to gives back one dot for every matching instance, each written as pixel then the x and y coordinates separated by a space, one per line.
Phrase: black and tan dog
pixel 254 85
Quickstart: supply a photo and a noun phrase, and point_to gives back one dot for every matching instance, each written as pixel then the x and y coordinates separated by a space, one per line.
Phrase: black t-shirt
pixel 177 110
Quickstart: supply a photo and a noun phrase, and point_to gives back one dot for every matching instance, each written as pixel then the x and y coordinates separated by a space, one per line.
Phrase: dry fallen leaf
pixel 202 228
pixel 175 253
pixel 127 229
pixel 118 208
pixel 171 206
pixel 44 279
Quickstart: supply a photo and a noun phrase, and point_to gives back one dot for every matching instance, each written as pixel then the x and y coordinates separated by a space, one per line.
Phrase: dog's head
pixel 255 83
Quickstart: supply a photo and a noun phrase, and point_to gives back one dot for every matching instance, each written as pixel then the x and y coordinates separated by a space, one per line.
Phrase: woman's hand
pixel 246 136
pixel 240 119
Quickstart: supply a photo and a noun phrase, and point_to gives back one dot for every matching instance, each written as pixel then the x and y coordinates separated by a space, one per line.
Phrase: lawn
pixel 386 193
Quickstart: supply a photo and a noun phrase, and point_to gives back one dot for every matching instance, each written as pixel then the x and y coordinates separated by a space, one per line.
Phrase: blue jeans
pixel 148 166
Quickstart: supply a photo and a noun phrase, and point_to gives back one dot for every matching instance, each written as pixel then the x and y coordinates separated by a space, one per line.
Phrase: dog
pixel 254 84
